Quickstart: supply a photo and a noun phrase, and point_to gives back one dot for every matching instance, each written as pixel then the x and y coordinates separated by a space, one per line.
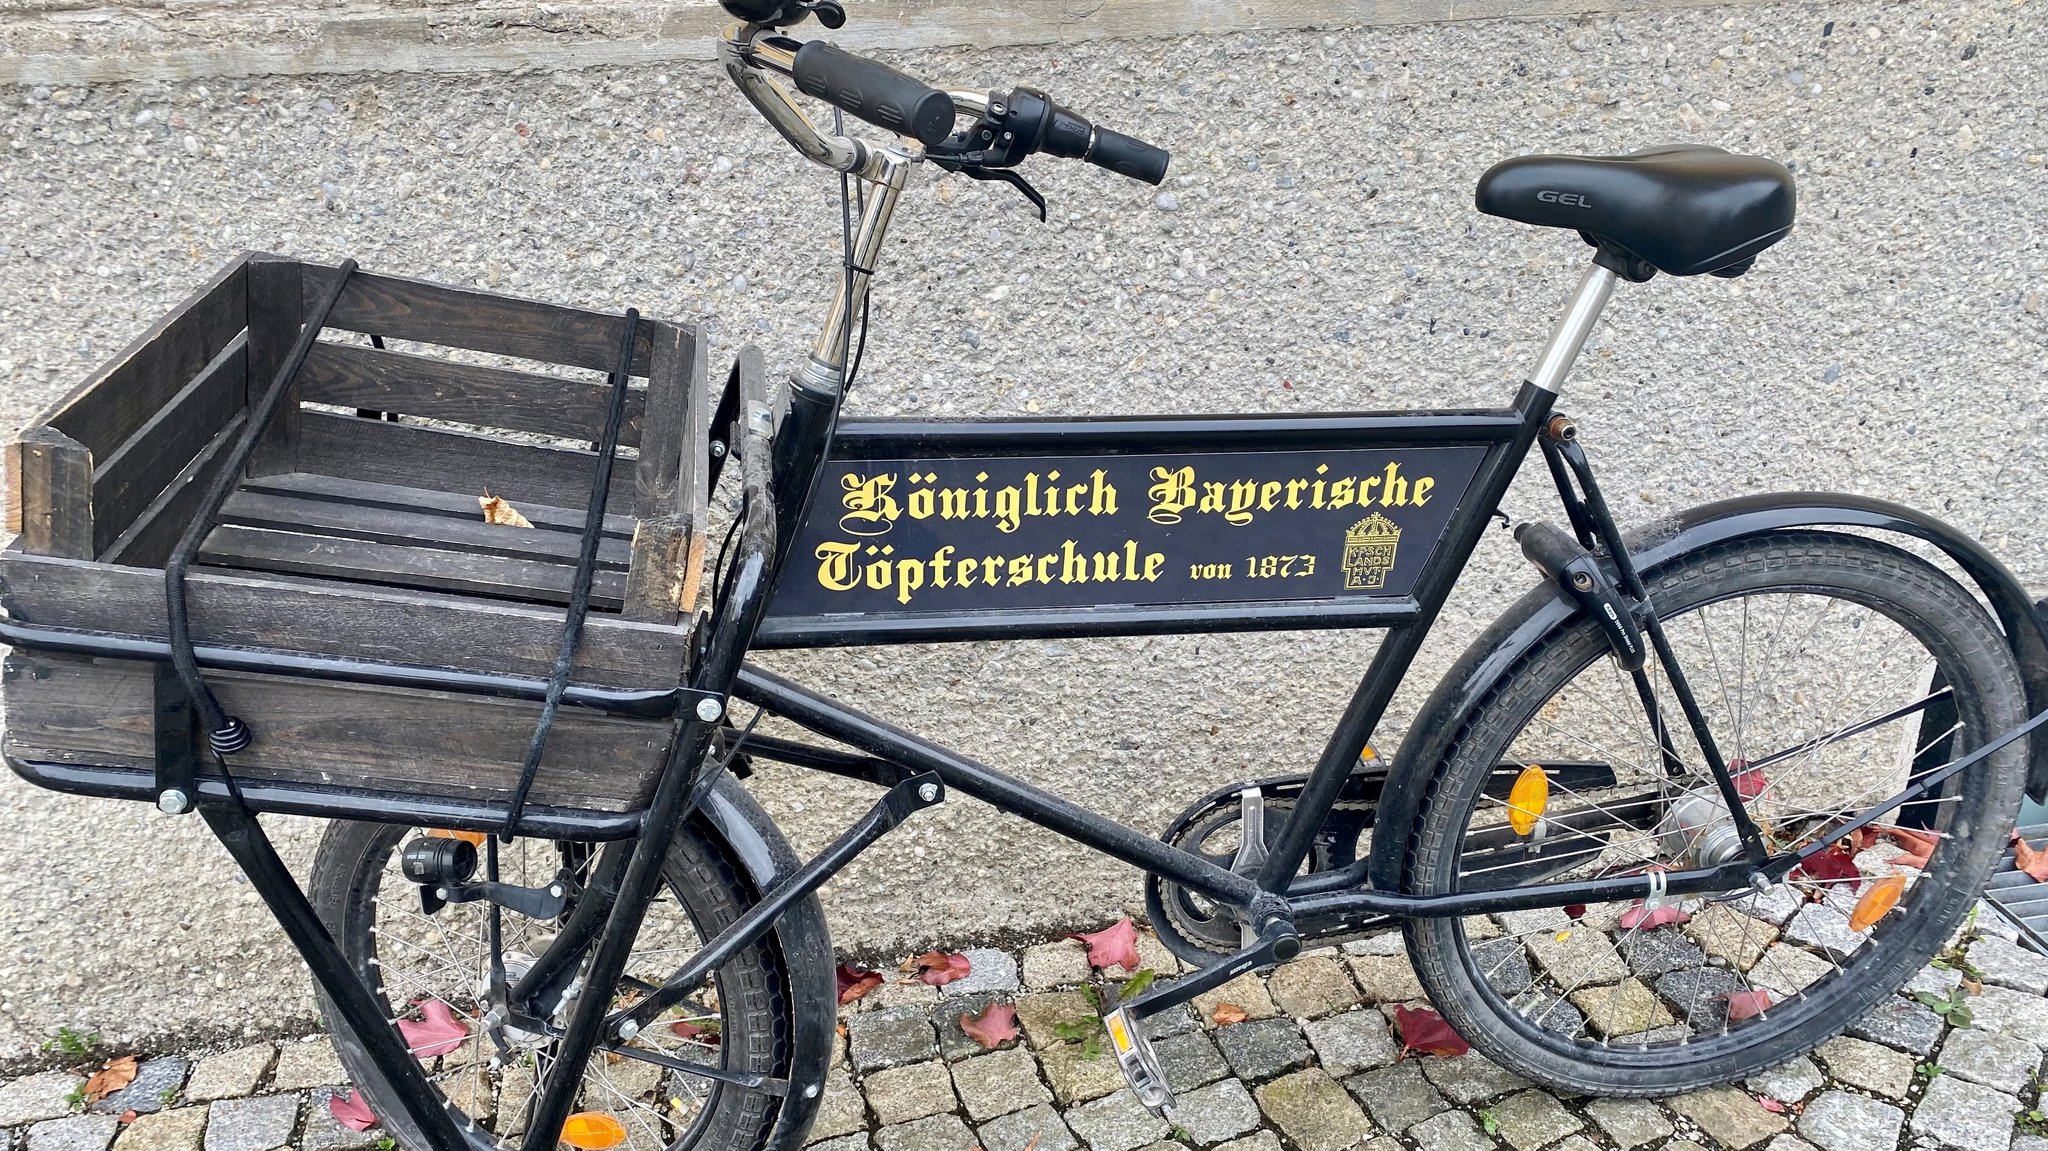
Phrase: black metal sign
pixel 979 534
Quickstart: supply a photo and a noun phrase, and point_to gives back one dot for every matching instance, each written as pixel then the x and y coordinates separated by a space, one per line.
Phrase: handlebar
pixel 1066 133
pixel 872 91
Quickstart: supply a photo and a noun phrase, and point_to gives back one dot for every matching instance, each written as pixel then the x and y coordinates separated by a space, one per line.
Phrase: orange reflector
pixel 1528 798
pixel 472 838
pixel 593 1131
pixel 1877 900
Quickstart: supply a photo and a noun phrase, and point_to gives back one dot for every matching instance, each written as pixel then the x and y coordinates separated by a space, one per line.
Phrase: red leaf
pixel 1918 843
pixel 1771 1105
pixel 685 1029
pixel 1425 1032
pixel 2032 860
pixel 1638 915
pixel 1114 945
pixel 438 1034
pixel 350 1111
pixel 1749 781
pixel 1907 859
pixel 939 968
pixel 1830 868
pixel 1577 911
pixel 995 1026
pixel 1747 1004
pixel 127 1117
pixel 855 982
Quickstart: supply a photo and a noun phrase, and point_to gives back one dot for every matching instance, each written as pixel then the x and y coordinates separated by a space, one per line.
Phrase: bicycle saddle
pixel 1681 208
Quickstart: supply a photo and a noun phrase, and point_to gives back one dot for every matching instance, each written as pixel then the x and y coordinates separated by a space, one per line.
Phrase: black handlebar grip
pixel 1070 135
pixel 872 91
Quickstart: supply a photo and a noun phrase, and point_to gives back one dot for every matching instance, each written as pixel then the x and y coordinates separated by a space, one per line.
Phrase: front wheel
pixel 1832 670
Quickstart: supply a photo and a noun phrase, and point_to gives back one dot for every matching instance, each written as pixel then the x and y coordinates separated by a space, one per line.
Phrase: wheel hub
pixel 1698 830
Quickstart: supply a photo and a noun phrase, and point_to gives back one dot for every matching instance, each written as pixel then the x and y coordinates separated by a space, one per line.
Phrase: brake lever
pixel 1006 176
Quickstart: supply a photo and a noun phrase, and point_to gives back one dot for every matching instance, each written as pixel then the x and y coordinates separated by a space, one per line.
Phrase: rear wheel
pixel 1832 670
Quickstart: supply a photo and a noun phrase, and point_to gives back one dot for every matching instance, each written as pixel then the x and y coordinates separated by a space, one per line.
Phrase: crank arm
pixel 766 1084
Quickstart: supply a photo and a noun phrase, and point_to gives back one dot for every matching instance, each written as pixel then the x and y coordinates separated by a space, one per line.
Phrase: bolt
pixel 717 449
pixel 1582 581
pixel 628 1029
pixel 929 793
pixel 440 893
pixel 173 802
pixel 556 891
pixel 811 1091
pixel 709 710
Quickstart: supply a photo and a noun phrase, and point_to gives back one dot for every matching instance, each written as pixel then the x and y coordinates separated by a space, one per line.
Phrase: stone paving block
pixel 1378 943
pixel 1788 1082
pixel 1256 1141
pixel 33 1098
pixel 179 1129
pixel 1263 1048
pixel 1901 1023
pixel 1732 1117
pixel 1352 1042
pixel 1451 1131
pixel 154 1081
pixel 1042 1013
pixel 1397 1097
pixel 1178 1020
pixel 988 969
pixel 890 1037
pixel 1934 980
pixel 1038 1128
pixel 1247 992
pixel 78 1133
pixel 1217 1112
pixel 1965 1116
pixel 1996 1061
pixel 1189 1061
pixel 309 1064
pixel 1840 1121
pixel 842 1110
pixel 1789 1143
pixel 1154 955
pixel 1504 963
pixel 251 1124
pixel 1785 970
pixel 1624 1008
pixel 229 1075
pixel 2030 1143
pixel 998 1083
pixel 1824 927
pixel 1314 1111
pixel 1576 1143
pixel 1571 954
pixel 1532 1119
pixel 1075 1077
pixel 1386 978
pixel 1468 1078
pixel 1312 987
pixel 901 1094
pixel 2003 1011
pixel 902 993
pixel 323 1132
pixel 937 1133
pixel 1730 935
pixel 1874 1067
pixel 859 1142
pixel 2005 964
pixel 1116 1122
pixel 1699 995
pixel 1061 963
pixel 954 1043
pixel 1630 1123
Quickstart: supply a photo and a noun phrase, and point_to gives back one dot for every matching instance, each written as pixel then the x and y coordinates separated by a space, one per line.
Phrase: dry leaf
pixel 1115 945
pixel 438 1034
pixel 497 511
pixel 995 1026
pixel 856 982
pixel 939 968
pixel 1229 1013
pixel 1747 1004
pixel 117 1073
pixel 1640 916
pixel 2032 860
pixel 1771 1105
pixel 128 1116
pixel 349 1110
pixel 1425 1032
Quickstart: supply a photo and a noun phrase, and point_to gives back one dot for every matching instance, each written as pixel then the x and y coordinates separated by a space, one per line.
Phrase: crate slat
pixel 129 480
pixel 277 312
pixel 49 493
pixel 416 457
pixel 352 376
pixel 668 546
pixel 455 505
pixel 397 565
pixel 400 525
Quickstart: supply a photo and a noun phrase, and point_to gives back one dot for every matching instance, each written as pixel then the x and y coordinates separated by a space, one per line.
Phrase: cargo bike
pixel 445 567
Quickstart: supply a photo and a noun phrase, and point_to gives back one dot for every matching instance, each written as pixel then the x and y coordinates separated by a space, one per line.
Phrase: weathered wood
pixel 413 567
pixel 353 376
pixel 131 477
pixel 418 457
pixel 49 497
pixel 277 311
pixel 74 709
pixel 670 489
pixel 115 400
pixel 147 542
pixel 456 505
pixel 402 309
pixel 394 526
pixel 351 621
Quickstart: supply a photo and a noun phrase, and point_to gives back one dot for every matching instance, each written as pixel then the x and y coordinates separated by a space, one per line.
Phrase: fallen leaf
pixel 856 982
pixel 2032 860
pixel 1830 867
pixel 127 1117
pixel 438 1034
pixel 1877 901
pixel 1115 945
pixel 1771 1105
pixel 116 1074
pixel 1426 1032
pixel 1747 1004
pixel 995 1026
pixel 939 968
pixel 1640 916
pixel 1576 911
pixel 1971 987
pixel 1228 1013
pixel 497 511
pixel 350 1111
pixel 705 1033
pixel 1749 781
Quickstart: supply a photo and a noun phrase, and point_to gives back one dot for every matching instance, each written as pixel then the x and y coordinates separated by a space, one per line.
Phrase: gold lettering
pixel 1269 495
pixel 1008 512
pixel 909 578
pixel 835 566
pixel 1102 496
pixel 1020 570
pixel 1422 487
pixel 1394 492
pixel 1153 563
pixel 1212 497
pixel 1294 490
pixel 1171 494
pixel 1073 569
pixel 1244 495
pixel 868 504
pixel 1340 493
pixel 1365 487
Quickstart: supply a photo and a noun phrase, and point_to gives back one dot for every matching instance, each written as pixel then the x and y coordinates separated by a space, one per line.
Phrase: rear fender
pixel 1544 611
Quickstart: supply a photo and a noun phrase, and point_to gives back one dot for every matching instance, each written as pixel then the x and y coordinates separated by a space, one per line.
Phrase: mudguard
pixel 806 947
pixel 1546 610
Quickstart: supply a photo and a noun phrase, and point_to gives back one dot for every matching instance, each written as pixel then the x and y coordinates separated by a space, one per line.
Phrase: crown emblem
pixel 1369 548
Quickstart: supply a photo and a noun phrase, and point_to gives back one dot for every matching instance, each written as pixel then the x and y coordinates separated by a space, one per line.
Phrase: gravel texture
pixel 1314 249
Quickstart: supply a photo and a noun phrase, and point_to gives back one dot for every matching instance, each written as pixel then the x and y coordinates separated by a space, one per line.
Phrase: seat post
pixel 1569 337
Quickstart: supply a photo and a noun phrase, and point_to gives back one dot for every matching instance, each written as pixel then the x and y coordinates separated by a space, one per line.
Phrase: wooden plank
pixel 127 481
pixel 273 512
pixel 80 710
pixel 115 400
pixel 353 376
pixel 671 453
pixel 351 621
pixel 276 314
pixel 418 457
pixel 397 565
pixel 458 505
pixel 147 542
pixel 49 498
pixel 401 309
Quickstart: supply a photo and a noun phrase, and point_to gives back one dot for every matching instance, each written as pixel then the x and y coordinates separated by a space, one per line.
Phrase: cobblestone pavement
pixel 1315 1065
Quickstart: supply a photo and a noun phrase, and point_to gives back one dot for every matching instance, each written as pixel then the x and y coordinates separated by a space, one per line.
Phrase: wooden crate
pixel 355 536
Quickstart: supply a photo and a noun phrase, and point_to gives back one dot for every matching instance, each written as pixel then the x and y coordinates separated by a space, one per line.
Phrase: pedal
pixel 1136 1059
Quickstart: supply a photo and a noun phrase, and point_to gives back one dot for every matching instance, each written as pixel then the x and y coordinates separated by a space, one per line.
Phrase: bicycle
pixel 1612 877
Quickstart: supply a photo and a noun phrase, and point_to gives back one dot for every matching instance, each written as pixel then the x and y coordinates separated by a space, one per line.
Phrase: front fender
pixel 1544 610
